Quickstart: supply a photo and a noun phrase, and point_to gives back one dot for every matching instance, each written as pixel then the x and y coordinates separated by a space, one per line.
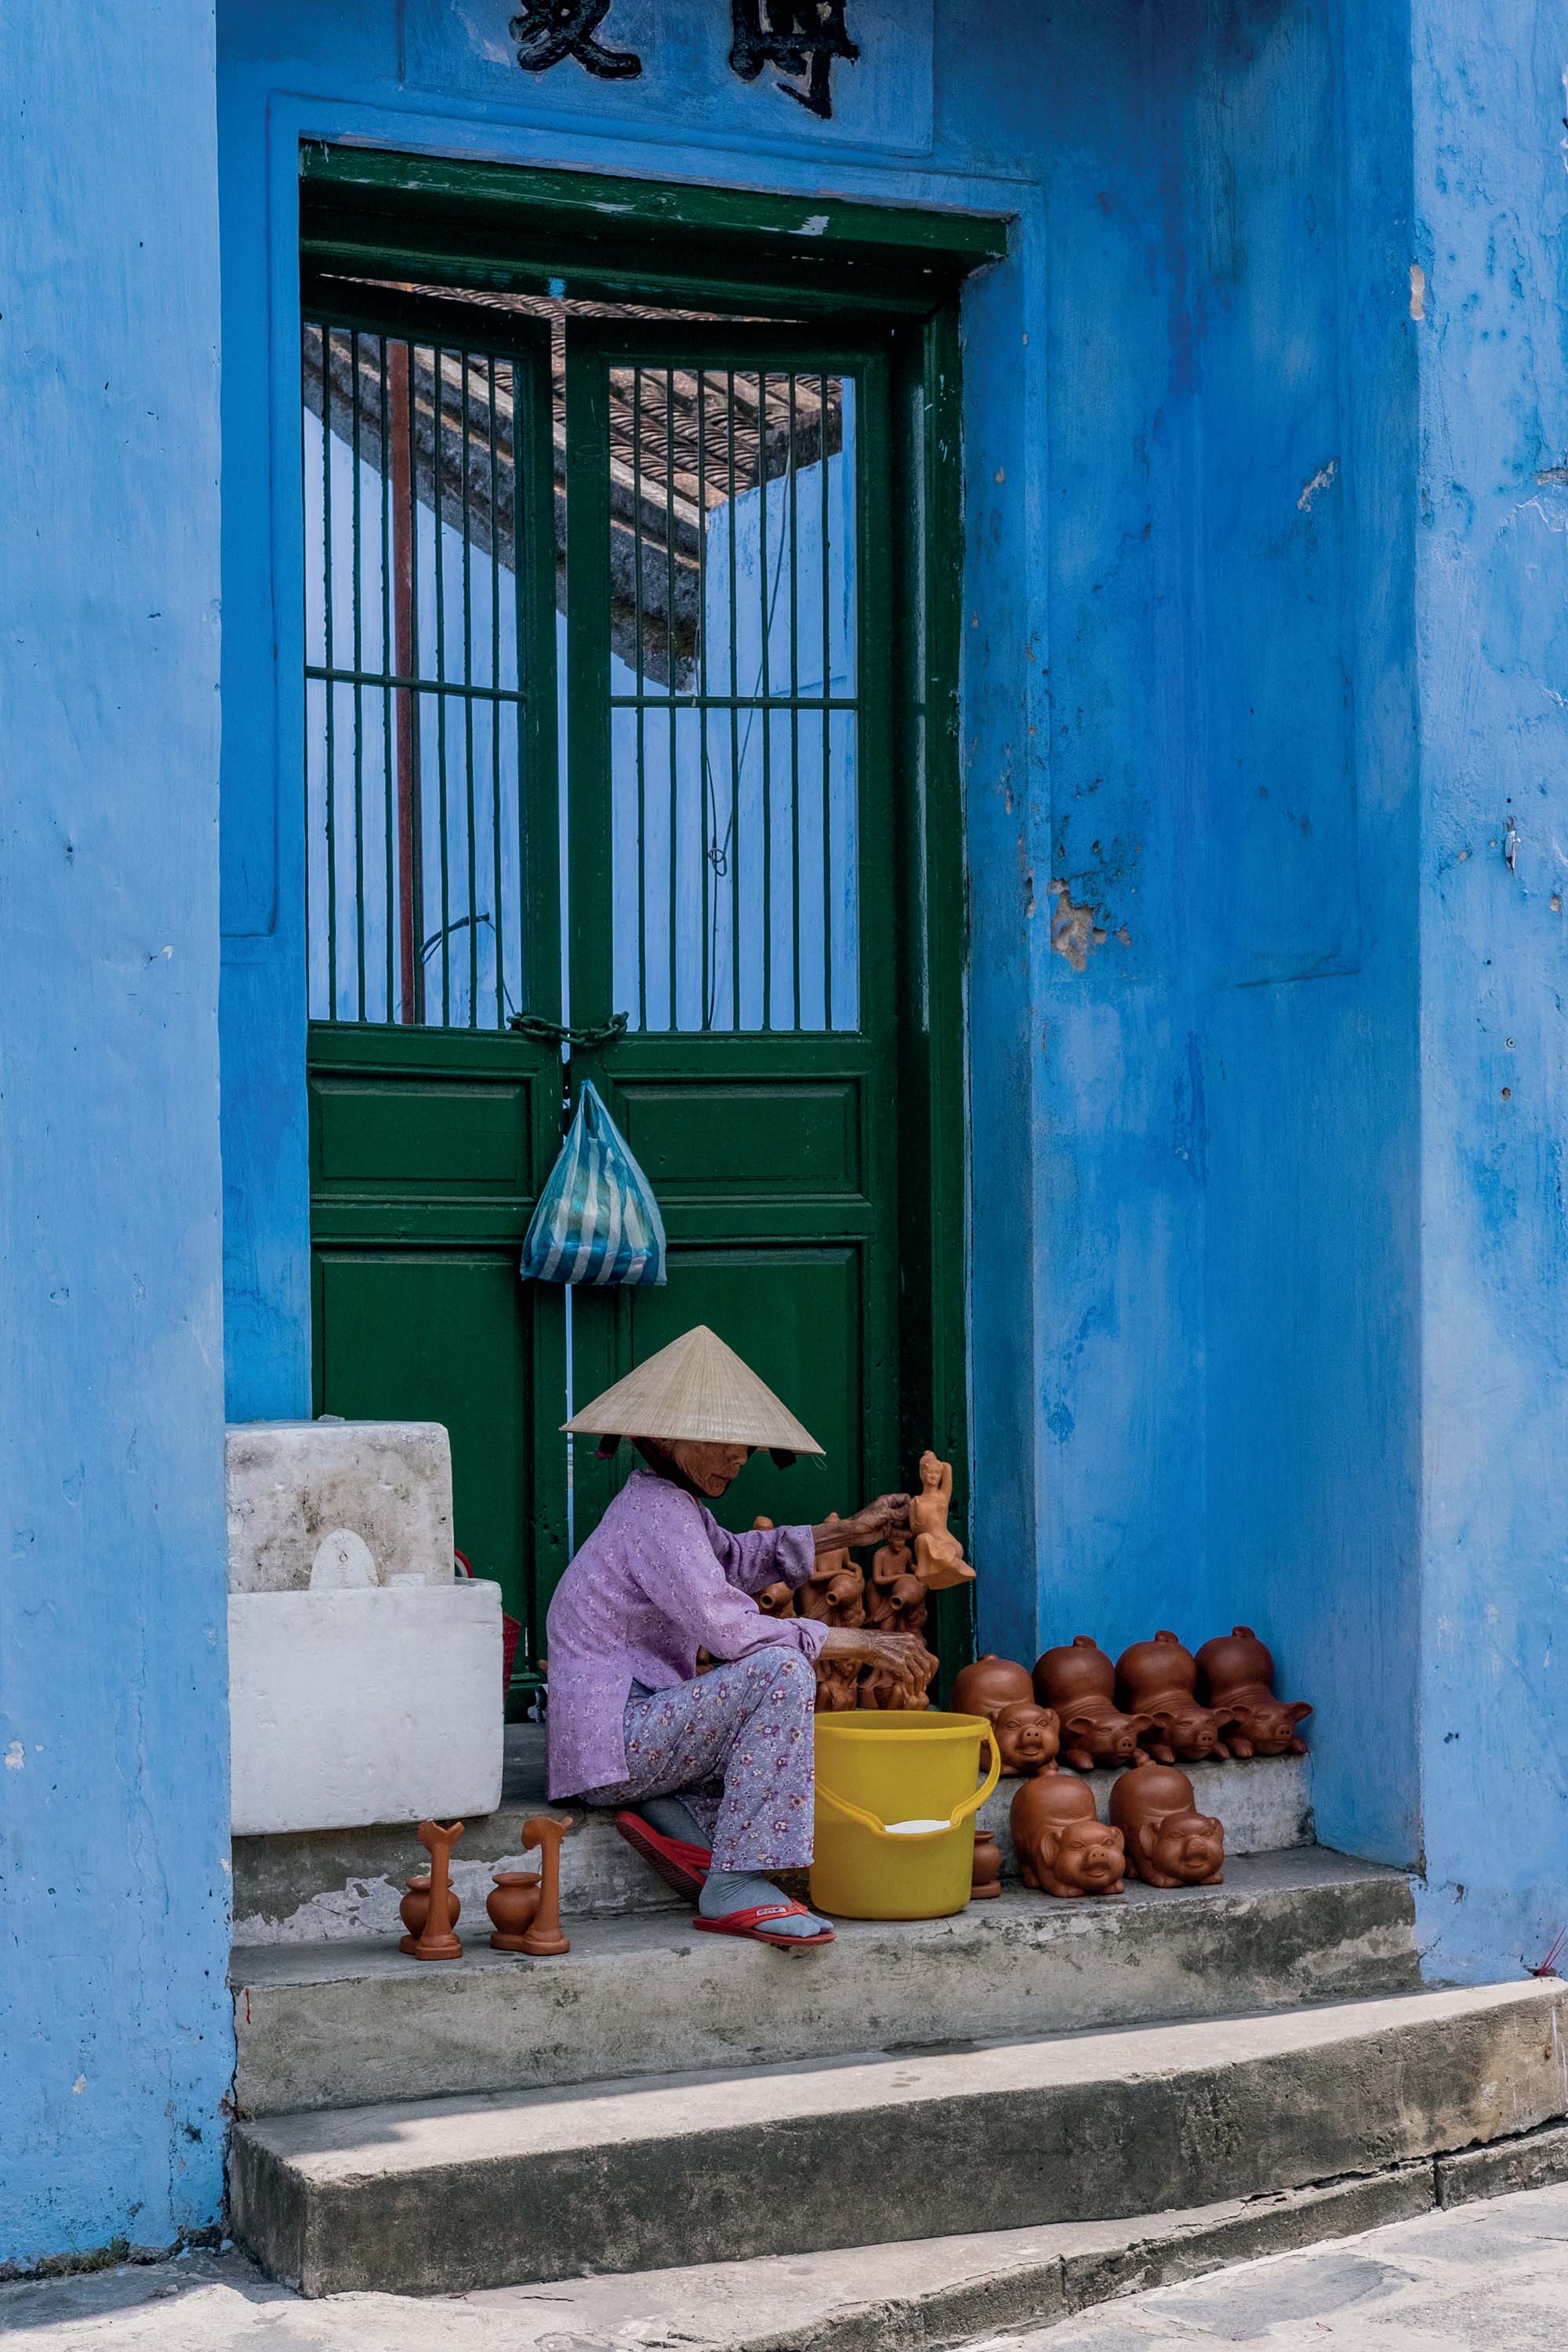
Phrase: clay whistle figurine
pixel 1028 1737
pixel 1236 1676
pixel 1169 1842
pixel 434 1939
pixel 985 1879
pixel 1062 1847
pixel 1159 1678
pixel 776 1601
pixel 939 1556
pixel 897 1608
pixel 1078 1681
pixel 543 1937
pixel 837 1599
pixel 889 1561
pixel 990 1684
pixel 838 1685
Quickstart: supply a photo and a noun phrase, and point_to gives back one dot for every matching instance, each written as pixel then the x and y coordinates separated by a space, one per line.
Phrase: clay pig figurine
pixel 1062 1847
pixel 1236 1675
pixel 1080 1682
pixel 990 1684
pixel 1028 1737
pixel 1158 1678
pixel 1169 1842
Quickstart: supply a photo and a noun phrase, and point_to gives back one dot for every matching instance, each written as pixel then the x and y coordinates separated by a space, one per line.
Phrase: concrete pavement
pixel 1483 2277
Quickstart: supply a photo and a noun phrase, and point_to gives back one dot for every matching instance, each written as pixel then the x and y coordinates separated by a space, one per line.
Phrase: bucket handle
pixel 959 1812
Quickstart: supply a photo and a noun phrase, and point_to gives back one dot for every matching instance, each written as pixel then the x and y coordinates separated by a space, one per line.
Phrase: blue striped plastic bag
pixel 596 1219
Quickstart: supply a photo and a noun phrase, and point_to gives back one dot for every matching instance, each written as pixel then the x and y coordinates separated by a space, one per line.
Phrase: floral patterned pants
pixel 736 1746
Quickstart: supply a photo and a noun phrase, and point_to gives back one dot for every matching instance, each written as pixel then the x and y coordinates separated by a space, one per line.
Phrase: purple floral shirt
pixel 657 1580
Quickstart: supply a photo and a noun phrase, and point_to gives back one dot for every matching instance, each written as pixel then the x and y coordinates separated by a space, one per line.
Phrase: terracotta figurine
pixel 827 1566
pixel 989 1685
pixel 1062 1847
pixel 987 1878
pixel 897 1608
pixel 939 1557
pixel 891 1561
pixel 433 1940
pixel 1236 1675
pixel 775 1600
pixel 1080 1682
pixel 542 1936
pixel 1158 1678
pixel 1029 1738
pixel 837 1600
pixel 1169 1842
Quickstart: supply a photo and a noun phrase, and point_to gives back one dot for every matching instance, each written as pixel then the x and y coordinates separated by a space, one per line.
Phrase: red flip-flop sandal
pixel 683 1866
pixel 750 1923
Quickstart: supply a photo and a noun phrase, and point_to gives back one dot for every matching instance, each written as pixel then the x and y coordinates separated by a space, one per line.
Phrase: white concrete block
pixel 293 1484
pixel 347 1708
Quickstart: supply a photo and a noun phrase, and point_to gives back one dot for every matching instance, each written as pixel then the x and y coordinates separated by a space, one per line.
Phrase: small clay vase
pixel 1236 1676
pixel 990 1684
pixel 542 1936
pixel 1062 1847
pixel 511 1906
pixel 414 1909
pixel 1169 1842
pixel 986 1879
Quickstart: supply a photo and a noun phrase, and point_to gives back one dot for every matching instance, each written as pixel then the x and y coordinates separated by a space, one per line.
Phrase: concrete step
pixel 452 2195
pixel 345 1885
pixel 337 2025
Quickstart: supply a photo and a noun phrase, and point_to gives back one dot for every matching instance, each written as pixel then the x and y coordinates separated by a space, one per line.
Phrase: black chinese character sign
pixel 803 39
pixel 548 31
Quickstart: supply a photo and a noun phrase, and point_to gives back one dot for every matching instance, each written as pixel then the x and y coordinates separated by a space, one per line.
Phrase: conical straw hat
pixel 696 1388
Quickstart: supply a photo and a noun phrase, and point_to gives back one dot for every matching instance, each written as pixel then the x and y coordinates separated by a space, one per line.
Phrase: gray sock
pixel 671 1818
pixel 724 1891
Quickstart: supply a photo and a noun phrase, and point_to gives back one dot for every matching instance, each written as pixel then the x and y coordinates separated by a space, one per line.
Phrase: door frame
pixel 368 210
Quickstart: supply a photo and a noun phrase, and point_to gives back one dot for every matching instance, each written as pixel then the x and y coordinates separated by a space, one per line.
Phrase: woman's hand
pixel 904 1655
pixel 888 1516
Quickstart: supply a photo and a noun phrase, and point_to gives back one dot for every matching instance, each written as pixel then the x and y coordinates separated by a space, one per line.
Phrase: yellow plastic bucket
pixel 874 1772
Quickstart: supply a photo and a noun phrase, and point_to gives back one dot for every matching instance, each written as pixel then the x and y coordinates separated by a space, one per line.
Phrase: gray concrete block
pixel 445 2196
pixel 1535 2160
pixel 342 2024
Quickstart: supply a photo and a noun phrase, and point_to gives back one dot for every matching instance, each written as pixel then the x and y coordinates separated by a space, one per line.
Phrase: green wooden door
pixel 701 515
pixel 433 910
pixel 731 877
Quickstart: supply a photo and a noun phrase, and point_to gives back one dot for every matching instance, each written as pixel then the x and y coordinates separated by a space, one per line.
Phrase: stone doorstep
pixel 326 1885
pixel 340 2025
pixel 909 2298
pixel 452 2195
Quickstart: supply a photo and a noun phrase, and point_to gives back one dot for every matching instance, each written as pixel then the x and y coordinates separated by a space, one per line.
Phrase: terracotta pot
pixel 987 1874
pixel 990 1684
pixel 511 1906
pixel 415 1910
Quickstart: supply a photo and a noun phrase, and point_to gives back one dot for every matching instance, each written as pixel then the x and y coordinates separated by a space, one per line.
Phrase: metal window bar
pixel 416 908
pixel 733 580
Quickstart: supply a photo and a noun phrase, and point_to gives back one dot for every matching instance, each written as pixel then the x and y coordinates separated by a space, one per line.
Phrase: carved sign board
pixel 851 73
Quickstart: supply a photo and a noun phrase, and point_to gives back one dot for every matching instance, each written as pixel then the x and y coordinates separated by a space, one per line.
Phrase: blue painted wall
pixel 1492 665
pixel 1261 603
pixel 115 2033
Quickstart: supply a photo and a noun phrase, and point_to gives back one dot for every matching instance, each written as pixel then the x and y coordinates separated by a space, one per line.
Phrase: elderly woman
pixel 711 1775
